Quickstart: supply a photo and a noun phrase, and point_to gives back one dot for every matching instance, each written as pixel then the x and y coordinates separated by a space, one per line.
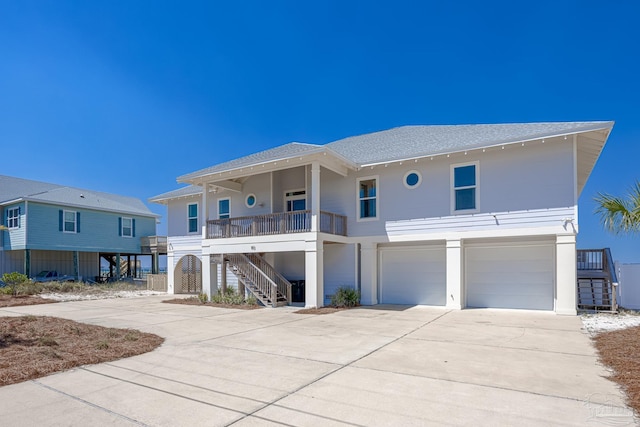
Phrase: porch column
pixel 223 276
pixel 209 273
pixel 204 210
pixel 369 273
pixel 117 266
pixel 566 275
pixel 170 270
pixel 315 197
pixel 76 268
pixel 155 263
pixel 454 274
pixel 314 274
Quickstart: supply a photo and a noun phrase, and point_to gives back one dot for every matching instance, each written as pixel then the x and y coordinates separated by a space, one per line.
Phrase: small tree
pixel 14 279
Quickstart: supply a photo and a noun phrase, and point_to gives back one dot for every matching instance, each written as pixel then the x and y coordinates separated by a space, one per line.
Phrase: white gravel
pixel 602 322
pixel 100 295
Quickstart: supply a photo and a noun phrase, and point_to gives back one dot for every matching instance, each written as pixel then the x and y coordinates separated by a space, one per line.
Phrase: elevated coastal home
pixel 453 216
pixel 68 230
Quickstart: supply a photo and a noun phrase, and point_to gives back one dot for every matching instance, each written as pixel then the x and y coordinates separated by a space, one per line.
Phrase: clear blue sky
pixel 124 96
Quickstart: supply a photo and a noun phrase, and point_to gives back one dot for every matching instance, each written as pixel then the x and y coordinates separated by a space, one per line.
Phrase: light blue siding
pixel 15 238
pixel 99 231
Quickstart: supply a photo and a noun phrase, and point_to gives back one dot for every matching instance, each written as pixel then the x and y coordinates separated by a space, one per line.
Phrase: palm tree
pixel 620 215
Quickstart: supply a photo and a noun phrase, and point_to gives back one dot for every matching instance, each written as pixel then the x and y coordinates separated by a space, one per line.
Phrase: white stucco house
pixel 454 216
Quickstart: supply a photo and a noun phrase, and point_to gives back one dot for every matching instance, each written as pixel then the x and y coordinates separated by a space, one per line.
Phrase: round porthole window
pixel 412 179
pixel 250 200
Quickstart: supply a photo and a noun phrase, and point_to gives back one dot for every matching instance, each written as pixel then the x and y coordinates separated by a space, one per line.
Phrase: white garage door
pixel 413 275
pixel 510 276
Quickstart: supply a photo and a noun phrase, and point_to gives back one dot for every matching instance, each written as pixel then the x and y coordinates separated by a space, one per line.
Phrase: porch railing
pixel 597 280
pixel 276 223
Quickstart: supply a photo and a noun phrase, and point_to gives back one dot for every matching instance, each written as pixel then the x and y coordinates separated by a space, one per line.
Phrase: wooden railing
pixel 153 244
pixel 254 278
pixel 284 286
pixel 276 223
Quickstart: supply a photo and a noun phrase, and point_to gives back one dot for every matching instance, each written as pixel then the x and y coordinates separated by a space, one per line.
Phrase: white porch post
pixel 315 196
pixel 566 275
pixel 369 273
pixel 454 274
pixel 206 275
pixel 314 274
pixel 170 270
pixel 204 214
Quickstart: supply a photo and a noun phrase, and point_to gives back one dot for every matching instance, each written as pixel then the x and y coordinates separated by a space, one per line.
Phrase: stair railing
pixel 284 286
pixel 256 277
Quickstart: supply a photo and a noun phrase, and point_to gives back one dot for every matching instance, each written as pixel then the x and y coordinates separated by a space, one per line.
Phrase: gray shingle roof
pixel 408 142
pixel 287 151
pixel 189 190
pixel 12 188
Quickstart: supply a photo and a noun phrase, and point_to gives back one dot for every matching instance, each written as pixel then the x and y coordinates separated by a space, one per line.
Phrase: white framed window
pixel 13 218
pixel 367 198
pixel 464 188
pixel 192 217
pixel 295 200
pixel 69 222
pixel 127 227
pixel 224 208
pixel 250 200
pixel 412 179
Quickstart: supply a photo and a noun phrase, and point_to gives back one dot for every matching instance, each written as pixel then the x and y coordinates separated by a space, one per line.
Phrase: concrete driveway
pixel 369 366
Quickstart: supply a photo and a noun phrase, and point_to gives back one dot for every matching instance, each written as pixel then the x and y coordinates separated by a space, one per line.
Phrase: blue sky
pixel 124 96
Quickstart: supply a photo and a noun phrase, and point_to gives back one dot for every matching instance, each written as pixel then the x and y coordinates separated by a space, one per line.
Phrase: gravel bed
pixel 595 323
pixel 99 295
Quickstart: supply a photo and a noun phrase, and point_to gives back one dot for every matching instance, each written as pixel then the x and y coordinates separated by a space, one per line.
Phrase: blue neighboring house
pixel 70 230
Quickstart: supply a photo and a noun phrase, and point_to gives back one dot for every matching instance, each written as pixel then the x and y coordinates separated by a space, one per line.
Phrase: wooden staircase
pixel 597 280
pixel 261 279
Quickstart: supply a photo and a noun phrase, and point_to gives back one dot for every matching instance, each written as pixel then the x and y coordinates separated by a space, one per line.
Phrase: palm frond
pixel 620 215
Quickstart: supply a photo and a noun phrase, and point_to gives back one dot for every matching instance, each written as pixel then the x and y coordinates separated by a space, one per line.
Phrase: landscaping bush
pixel 232 297
pixel 345 297
pixel 13 280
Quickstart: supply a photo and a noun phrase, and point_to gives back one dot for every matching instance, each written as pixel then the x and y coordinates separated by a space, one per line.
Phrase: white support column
pixel 315 197
pixel 204 210
pixel 566 275
pixel 369 274
pixel 170 270
pixel 206 275
pixel 454 275
pixel 314 274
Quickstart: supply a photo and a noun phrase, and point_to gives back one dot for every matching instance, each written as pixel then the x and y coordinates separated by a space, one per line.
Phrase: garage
pixel 412 275
pixel 510 275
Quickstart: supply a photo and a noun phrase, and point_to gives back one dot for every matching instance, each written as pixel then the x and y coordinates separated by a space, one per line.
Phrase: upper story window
pixel 295 200
pixel 224 208
pixel 250 201
pixel 367 198
pixel 465 187
pixel 13 218
pixel 70 224
pixel 127 227
pixel 192 217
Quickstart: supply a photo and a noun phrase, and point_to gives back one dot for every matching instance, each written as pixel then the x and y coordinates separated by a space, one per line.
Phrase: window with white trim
pixel 465 187
pixel 127 227
pixel 367 198
pixel 224 208
pixel 192 217
pixel 70 224
pixel 13 218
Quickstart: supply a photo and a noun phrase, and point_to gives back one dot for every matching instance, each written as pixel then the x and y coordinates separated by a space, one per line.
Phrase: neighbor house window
pixel 70 224
pixel 224 208
pixel 13 218
pixel 192 214
pixel 127 227
pixel 465 187
pixel 367 198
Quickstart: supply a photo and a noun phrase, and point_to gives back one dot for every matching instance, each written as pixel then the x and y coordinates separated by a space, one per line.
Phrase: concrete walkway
pixel 370 366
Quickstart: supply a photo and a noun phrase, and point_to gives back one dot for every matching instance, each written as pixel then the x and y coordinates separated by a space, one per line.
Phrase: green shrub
pixel 204 298
pixel 345 297
pixel 13 280
pixel 232 297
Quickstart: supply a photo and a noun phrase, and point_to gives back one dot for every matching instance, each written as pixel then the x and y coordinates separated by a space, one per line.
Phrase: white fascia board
pixel 10 202
pixel 90 208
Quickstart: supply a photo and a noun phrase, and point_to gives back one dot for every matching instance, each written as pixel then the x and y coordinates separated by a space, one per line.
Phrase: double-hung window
pixel 367 198
pixel 127 227
pixel 465 187
pixel 224 208
pixel 13 218
pixel 70 223
pixel 192 217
